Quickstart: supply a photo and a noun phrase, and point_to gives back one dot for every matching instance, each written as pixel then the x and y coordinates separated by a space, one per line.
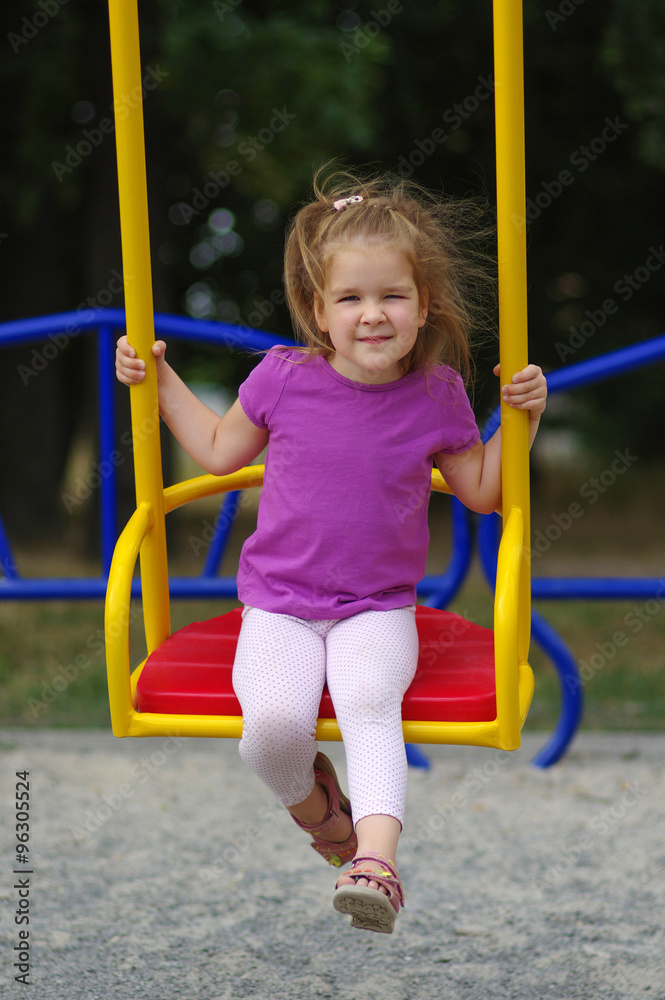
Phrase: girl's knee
pixel 272 735
pixel 367 704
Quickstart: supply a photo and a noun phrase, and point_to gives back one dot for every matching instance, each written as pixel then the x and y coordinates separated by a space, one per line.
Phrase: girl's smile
pixel 371 312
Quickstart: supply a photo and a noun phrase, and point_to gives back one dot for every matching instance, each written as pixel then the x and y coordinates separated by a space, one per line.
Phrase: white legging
pixel 368 661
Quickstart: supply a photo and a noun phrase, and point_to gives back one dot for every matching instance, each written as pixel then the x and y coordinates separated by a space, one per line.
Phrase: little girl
pixel 375 280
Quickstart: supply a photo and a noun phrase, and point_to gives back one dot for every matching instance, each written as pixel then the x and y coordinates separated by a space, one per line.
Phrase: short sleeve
pixel 459 430
pixel 260 392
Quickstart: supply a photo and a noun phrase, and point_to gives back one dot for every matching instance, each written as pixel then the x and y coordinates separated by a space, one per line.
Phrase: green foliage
pixel 40 684
pixel 633 52
pixel 222 90
pixel 361 82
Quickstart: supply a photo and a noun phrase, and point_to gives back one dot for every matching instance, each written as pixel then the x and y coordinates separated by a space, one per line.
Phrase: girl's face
pixel 371 312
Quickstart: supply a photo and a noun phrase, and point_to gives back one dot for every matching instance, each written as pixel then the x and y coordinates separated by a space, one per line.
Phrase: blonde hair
pixel 441 238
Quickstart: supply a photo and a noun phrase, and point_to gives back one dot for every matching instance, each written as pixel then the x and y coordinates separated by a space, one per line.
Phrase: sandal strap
pixel 336 853
pixel 388 877
pixel 324 774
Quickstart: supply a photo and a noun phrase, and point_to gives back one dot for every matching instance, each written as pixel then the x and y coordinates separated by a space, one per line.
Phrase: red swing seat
pixel 190 672
pixel 473 686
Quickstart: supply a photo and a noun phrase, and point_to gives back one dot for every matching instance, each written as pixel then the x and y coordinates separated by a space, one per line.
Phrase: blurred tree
pixel 633 54
pixel 246 98
pixel 251 83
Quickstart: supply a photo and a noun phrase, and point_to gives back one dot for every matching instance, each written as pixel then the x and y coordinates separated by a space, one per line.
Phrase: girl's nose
pixel 372 313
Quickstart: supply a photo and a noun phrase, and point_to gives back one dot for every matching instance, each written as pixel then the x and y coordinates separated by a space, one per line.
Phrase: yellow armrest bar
pixel 252 475
pixel 117 617
pixel 207 486
pixel 513 695
pixel 514 687
pixel 439 485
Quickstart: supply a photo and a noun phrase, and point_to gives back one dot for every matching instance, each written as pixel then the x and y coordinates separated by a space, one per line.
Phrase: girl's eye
pixel 356 298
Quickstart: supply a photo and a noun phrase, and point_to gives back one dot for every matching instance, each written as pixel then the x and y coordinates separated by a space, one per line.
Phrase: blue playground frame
pixel 435 591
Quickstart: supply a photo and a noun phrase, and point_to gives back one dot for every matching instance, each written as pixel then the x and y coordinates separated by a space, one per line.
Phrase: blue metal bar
pixel 83 588
pixel 53 589
pixel 212 332
pixel 186 587
pixel 24 331
pixel 439 589
pixel 489 533
pixel 573 376
pixel 108 468
pixel 442 589
pixel 225 518
pixel 7 565
pixel 107 323
pixel 597 588
pixel 551 644
pixel 208 331
pixel 572 702
pixel 94 587
pixel 625 359
pixel 416 758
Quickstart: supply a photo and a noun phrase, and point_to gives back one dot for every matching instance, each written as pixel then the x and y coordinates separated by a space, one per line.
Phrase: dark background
pixel 367 83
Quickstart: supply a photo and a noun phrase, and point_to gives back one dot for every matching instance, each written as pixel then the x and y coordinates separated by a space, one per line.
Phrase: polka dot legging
pixel 368 661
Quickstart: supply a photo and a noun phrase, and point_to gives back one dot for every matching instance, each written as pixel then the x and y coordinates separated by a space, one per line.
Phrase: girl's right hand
pixel 128 368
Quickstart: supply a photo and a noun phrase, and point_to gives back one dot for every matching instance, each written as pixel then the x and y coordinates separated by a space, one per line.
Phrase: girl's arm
pixel 220 445
pixel 475 475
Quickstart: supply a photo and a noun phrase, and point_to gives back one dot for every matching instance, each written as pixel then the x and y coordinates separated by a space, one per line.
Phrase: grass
pixel 52 667
pixel 620 657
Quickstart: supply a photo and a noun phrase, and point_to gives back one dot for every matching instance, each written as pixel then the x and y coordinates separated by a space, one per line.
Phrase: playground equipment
pixel 569 377
pixel 107 324
pixel 439 590
pixel 168 692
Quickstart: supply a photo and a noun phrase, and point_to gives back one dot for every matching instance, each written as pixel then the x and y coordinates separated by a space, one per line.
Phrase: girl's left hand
pixel 526 391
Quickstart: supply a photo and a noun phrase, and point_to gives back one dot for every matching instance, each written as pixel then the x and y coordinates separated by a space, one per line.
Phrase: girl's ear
pixel 424 308
pixel 320 314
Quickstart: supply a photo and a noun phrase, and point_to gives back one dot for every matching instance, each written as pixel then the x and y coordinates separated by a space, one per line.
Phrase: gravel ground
pixel 161 869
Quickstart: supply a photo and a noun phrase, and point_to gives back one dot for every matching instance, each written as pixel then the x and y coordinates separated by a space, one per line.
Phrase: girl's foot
pixel 378 837
pixel 370 908
pixel 334 836
pixel 369 866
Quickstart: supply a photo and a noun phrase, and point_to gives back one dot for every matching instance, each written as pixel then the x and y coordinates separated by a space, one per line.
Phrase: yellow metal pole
pixel 511 226
pixel 128 96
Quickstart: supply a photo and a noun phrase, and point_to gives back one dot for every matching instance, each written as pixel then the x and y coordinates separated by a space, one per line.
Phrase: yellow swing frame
pixel 145 533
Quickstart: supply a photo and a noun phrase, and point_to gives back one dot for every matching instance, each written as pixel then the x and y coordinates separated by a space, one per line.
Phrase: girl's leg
pixel 371 661
pixel 278 676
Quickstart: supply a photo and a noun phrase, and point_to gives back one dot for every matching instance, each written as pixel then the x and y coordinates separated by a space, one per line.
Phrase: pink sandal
pixel 370 909
pixel 336 854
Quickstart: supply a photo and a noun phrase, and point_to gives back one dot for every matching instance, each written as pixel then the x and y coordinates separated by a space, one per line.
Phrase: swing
pixel 473 685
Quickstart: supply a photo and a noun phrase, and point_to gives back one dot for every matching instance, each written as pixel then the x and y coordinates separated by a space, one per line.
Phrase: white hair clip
pixel 343 202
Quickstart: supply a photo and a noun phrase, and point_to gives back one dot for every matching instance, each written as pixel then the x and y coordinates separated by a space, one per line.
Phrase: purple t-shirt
pixel 342 522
